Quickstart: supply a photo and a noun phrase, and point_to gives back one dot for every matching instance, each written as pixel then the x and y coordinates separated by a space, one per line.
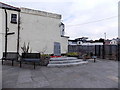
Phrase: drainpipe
pixel 6 28
pixel 18 39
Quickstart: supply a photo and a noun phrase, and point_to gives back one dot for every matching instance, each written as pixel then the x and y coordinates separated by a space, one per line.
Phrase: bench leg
pixel 12 62
pixel 2 61
pixel 34 65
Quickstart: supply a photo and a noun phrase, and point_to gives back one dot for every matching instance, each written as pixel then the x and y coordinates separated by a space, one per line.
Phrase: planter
pixel 44 61
pixel 54 56
pixel 79 57
pixel 72 54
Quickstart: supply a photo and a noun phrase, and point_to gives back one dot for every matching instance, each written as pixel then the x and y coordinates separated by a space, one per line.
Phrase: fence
pixel 107 52
pixel 82 49
pixel 101 51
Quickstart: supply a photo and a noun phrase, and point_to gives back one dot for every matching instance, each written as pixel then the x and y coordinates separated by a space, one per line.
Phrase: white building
pixel 43 30
pixel 114 42
pixel 75 42
pixel 72 42
pixel 96 43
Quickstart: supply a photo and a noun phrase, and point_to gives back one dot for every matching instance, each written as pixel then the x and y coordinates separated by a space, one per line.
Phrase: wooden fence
pixel 101 51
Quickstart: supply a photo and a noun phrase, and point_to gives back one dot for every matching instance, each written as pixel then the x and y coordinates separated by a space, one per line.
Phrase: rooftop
pixel 30 11
pixel 41 13
pixel 9 7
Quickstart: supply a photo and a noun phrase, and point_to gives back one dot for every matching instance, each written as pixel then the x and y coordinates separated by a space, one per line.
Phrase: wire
pixel 93 21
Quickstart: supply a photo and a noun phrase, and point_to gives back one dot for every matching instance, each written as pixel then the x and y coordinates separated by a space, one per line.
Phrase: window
pixel 14 18
pixel 62 29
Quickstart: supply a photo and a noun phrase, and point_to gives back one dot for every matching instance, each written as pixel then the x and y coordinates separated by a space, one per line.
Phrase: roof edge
pixel 9 7
pixel 41 13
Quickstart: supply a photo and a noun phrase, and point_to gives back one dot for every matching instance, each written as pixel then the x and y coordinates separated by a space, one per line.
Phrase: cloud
pixel 95 11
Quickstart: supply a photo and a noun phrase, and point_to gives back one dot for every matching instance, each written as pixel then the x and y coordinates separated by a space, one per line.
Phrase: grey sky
pixel 77 12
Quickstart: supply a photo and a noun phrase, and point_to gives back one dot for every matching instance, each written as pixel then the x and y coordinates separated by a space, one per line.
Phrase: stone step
pixel 64 61
pixel 67 64
pixel 63 58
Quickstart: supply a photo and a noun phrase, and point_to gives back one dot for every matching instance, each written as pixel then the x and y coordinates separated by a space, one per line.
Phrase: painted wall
pixel 1 33
pixel 64 44
pixel 113 42
pixel 41 30
pixel 12 39
pixel 0 47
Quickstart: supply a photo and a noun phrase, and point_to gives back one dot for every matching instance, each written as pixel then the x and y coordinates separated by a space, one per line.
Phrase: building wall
pixel 64 45
pixel 12 39
pixel 113 42
pixel 0 47
pixel 41 30
pixel 72 43
pixel 1 33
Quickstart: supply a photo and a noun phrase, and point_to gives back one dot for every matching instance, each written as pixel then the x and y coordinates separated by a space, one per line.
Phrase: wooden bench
pixel 30 57
pixel 11 56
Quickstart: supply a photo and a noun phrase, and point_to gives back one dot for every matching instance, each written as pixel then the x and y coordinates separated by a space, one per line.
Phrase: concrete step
pixel 64 61
pixel 63 58
pixel 67 64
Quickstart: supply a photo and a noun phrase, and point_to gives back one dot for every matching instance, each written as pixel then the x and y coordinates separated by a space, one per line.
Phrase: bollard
pixel 94 57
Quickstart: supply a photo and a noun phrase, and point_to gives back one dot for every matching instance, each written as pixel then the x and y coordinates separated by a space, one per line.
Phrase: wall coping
pixel 40 13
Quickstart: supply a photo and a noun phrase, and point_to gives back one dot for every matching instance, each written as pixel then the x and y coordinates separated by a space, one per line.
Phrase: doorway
pixel 57 49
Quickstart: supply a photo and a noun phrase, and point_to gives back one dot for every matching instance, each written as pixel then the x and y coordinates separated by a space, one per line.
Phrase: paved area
pixel 102 74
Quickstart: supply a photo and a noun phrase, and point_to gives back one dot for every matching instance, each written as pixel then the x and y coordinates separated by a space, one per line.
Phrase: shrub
pixel 86 56
pixel 45 55
pixel 26 48
pixel 72 54
pixel 45 59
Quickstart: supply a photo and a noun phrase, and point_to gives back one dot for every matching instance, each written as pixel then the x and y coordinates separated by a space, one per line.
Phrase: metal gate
pixel 57 49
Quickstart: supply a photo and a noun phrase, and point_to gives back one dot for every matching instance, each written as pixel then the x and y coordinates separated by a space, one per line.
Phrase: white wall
pixel 64 44
pixel 0 47
pixel 0 33
pixel 119 19
pixel 12 39
pixel 41 29
pixel 113 42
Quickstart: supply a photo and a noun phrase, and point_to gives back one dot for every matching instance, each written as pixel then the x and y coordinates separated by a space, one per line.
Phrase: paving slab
pixel 101 74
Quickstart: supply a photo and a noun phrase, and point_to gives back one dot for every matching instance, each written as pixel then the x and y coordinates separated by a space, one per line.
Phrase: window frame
pixel 14 18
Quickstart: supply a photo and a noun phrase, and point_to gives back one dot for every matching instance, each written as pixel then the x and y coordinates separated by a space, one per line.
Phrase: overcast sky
pixel 90 18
